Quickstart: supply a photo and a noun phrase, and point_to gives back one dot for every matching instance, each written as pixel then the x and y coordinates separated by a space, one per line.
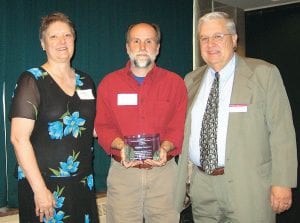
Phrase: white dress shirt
pixel 197 112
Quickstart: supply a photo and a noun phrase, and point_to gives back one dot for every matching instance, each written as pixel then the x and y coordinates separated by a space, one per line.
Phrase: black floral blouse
pixel 62 142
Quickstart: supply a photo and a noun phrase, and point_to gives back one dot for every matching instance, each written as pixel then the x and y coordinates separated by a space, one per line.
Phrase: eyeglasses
pixel 217 38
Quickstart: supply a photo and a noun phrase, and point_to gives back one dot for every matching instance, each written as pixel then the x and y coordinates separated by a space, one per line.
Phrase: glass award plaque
pixel 142 146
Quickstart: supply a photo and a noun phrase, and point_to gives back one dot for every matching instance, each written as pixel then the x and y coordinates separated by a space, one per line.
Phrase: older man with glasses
pixel 239 134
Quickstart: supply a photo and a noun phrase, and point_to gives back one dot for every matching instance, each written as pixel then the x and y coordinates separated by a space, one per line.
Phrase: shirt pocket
pixel 161 113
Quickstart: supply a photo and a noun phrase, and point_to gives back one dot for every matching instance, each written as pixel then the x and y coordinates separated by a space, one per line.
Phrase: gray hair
pixel 153 25
pixel 230 25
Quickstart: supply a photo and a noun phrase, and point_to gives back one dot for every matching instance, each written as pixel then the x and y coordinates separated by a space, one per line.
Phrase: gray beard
pixel 143 64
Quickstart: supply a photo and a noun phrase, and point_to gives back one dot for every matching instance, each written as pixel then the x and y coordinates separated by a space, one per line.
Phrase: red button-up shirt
pixel 160 107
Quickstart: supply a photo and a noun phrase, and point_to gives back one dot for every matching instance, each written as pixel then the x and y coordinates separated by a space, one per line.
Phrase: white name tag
pixel 127 99
pixel 86 94
pixel 238 108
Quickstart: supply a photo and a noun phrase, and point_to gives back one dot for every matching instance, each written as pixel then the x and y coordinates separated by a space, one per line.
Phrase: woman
pixel 52 115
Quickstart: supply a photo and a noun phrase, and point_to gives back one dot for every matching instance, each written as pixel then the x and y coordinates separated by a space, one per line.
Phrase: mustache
pixel 142 54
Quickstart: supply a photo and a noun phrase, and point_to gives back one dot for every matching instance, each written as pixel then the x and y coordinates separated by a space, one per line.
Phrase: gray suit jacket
pixel 261 143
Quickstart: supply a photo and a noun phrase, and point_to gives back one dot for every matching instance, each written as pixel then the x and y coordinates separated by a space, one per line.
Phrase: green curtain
pixel 100 48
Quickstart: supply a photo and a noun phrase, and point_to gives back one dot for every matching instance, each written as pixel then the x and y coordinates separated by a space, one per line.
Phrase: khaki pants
pixel 211 202
pixel 134 194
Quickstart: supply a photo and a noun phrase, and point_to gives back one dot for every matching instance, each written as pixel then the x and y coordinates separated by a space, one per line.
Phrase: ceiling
pixel 248 5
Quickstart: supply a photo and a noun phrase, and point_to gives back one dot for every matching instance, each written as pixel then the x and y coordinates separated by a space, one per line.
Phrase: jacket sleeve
pixel 282 133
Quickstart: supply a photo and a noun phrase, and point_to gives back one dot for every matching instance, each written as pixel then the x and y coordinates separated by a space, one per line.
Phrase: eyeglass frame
pixel 218 37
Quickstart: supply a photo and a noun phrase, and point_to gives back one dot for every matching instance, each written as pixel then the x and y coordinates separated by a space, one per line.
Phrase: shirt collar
pixel 227 71
pixel 150 75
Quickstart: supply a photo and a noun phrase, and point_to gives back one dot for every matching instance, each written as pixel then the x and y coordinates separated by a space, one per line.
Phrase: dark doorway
pixel 273 34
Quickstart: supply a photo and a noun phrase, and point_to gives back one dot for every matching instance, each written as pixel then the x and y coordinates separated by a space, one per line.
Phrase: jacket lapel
pixel 242 93
pixel 193 85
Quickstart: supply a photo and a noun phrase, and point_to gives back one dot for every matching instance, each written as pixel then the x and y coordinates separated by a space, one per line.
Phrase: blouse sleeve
pixel 26 98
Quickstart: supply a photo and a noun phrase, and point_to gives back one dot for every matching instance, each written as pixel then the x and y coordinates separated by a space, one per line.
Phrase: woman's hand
pixel 44 204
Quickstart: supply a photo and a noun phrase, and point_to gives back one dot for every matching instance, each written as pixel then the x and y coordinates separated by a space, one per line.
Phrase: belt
pixel 141 166
pixel 218 171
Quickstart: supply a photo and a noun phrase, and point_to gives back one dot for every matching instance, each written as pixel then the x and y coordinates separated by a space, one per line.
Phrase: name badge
pixel 127 99
pixel 238 107
pixel 86 94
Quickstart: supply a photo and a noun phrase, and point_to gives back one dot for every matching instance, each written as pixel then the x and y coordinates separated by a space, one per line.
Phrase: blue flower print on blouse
pixel 59 200
pixel 68 168
pixel 55 130
pixel 20 173
pixel 86 218
pixel 89 180
pixel 72 122
pixel 78 79
pixel 57 217
pixel 37 73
